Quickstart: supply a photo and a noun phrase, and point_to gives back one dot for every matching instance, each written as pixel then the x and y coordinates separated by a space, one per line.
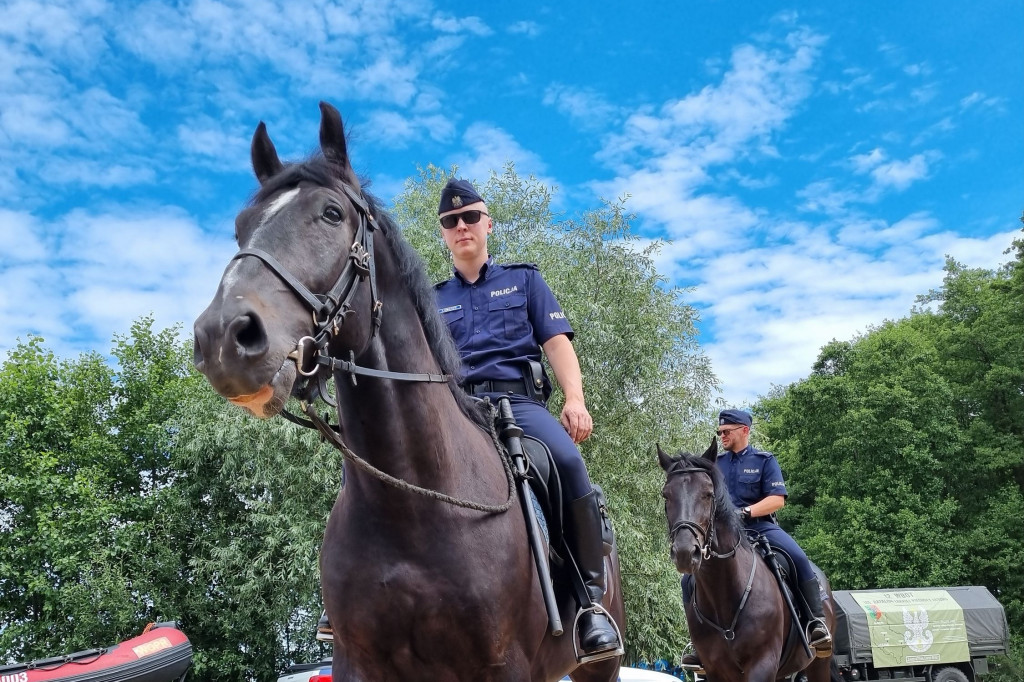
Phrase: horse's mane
pixel 439 338
pixel 317 169
pixel 725 510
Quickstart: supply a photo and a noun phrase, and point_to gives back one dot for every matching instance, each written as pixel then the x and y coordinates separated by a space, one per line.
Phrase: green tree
pixel 645 377
pixel 75 518
pixel 245 518
pixel 868 443
pixel 904 448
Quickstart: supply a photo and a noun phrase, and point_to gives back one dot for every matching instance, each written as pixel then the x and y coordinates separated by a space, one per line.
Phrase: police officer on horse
pixel 502 316
pixel 757 489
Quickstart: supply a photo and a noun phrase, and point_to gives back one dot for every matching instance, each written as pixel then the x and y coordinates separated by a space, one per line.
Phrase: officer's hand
pixel 577 420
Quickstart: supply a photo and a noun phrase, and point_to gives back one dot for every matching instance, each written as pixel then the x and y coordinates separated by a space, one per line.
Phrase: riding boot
pixel 818 635
pixel 598 637
pixel 691 659
pixel 324 633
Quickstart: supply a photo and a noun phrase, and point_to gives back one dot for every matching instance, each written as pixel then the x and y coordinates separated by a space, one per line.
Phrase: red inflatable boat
pixel 162 653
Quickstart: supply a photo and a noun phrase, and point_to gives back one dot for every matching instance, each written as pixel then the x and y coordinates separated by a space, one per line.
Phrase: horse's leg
pixel 820 670
pixel 762 671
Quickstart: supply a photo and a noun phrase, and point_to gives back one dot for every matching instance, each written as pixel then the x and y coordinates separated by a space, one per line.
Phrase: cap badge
pixel 457 201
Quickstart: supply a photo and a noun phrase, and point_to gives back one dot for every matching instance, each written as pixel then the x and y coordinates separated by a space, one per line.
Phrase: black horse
pixel 425 567
pixel 737 617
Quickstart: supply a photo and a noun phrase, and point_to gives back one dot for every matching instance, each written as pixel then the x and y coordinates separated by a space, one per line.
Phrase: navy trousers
pixel 535 420
pixel 780 538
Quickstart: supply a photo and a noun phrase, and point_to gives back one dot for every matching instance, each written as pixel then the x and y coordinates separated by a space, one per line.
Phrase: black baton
pixel 511 435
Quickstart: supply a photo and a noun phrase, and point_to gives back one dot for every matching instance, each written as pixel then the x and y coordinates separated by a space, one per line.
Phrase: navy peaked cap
pixel 456 194
pixel 734 417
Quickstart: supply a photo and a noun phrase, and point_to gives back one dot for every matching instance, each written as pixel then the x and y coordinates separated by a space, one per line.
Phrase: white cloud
pixel 111 268
pixel 528 28
pixel 979 99
pixel 20 240
pixel 105 174
pixel 491 148
pixel 474 25
pixel 863 163
pixel 772 290
pixel 773 307
pixel 583 105
pixel 900 175
pixel 754 99
pixel 396 130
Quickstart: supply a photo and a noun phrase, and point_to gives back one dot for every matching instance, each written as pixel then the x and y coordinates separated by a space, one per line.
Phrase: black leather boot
pixel 324 633
pixel 598 637
pixel 818 635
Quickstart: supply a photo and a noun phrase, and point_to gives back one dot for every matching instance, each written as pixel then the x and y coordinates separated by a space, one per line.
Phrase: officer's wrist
pixel 746 514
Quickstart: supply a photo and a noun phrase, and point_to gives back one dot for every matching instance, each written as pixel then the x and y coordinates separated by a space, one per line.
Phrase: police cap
pixel 456 194
pixel 734 417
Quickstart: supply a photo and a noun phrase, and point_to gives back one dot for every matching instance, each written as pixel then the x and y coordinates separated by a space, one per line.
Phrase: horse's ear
pixel 712 452
pixel 664 459
pixel 332 135
pixel 264 156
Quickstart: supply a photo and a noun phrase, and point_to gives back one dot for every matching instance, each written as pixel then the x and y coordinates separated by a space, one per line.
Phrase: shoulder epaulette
pixel 438 285
pixel 531 266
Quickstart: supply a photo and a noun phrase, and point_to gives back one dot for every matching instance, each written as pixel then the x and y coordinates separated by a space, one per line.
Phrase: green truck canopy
pixel 918 626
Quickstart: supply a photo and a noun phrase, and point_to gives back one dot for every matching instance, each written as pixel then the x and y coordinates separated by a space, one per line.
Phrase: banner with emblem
pixel 914 627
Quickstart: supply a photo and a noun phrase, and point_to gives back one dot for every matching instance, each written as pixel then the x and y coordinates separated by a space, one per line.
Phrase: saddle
pixel 546 487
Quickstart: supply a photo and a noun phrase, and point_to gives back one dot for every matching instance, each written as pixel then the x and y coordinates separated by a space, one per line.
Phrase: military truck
pixel 918 635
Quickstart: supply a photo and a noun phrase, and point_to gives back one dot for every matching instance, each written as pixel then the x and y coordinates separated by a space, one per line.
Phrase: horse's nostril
pixel 250 338
pixel 197 351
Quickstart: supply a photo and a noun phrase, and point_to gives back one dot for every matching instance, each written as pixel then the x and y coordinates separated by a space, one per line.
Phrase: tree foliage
pixel 134 494
pixel 904 449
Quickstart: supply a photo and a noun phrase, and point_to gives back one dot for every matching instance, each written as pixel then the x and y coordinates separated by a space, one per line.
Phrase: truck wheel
pixel 949 675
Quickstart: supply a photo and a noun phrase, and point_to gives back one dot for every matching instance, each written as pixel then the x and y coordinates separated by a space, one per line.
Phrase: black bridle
pixel 331 309
pixel 707 536
pixel 329 313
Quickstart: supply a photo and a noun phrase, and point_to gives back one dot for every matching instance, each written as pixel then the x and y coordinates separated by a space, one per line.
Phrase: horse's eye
pixel 332 215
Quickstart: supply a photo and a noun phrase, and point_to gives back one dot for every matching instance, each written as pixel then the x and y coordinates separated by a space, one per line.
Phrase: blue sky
pixel 812 163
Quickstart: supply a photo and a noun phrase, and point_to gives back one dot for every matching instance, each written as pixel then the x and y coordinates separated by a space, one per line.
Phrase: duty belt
pixel 517 386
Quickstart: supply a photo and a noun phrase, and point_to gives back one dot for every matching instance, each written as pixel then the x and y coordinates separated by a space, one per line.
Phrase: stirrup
pixel 617 650
pixel 324 631
pixel 822 645
pixel 693 664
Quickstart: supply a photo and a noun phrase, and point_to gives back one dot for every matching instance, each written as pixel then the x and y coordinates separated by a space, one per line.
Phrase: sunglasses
pixel 449 222
pixel 722 432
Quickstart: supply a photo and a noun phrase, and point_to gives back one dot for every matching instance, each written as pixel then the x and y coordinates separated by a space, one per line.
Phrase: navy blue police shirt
pixel 500 321
pixel 751 475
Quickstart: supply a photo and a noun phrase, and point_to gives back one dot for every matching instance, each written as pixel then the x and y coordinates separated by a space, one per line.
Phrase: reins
pixel 335 439
pixel 329 313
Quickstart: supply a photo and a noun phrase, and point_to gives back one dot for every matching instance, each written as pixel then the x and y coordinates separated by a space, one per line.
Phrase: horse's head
pixel 300 277
pixel 696 502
